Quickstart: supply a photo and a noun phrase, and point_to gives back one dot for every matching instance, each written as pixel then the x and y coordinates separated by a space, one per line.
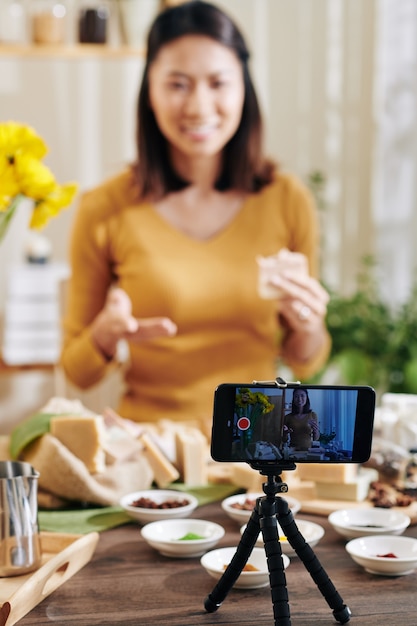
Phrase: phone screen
pixel 296 423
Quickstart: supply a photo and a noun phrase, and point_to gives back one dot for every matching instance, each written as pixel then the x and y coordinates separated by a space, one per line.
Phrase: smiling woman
pixel 164 254
pixel 196 93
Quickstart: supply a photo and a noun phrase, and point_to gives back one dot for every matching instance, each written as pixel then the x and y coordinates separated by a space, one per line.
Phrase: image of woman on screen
pixel 301 425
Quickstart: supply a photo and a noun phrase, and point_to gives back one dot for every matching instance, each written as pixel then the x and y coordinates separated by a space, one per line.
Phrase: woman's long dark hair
pixel 244 166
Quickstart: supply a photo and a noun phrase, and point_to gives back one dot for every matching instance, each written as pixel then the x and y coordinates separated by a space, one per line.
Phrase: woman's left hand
pixel 302 308
pixel 314 429
pixel 303 303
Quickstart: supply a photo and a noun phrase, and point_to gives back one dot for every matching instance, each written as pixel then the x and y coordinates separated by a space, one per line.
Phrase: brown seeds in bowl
pixel 246 505
pixel 148 503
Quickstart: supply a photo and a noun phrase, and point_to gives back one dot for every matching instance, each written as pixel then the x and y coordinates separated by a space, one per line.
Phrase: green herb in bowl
pixel 190 537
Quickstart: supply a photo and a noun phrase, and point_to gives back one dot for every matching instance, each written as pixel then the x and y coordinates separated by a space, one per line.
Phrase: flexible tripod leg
pixel 272 545
pixel 236 565
pixel 312 564
pixel 263 518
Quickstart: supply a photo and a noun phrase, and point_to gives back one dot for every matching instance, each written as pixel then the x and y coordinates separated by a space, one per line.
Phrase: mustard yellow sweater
pixel 226 332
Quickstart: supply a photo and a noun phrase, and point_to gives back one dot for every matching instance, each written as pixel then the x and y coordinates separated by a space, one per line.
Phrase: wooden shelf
pixel 69 52
pixel 13 369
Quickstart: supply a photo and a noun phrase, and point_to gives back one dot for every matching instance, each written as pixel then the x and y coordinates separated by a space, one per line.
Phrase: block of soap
pixel 83 436
pixel 244 476
pixel 356 490
pixel 164 472
pixel 192 456
pixel 340 473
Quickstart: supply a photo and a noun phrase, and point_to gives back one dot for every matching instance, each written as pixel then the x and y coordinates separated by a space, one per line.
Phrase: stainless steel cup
pixel 20 549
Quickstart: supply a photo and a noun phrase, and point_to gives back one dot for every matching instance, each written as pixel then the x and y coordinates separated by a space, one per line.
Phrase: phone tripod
pixel 267 510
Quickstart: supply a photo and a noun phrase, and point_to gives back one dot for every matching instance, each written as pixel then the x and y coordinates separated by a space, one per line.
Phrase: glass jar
pixel 13 22
pixel 135 19
pixel 93 24
pixel 49 22
pixel 410 481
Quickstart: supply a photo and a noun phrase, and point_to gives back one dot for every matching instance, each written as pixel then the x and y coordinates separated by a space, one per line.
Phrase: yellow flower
pixel 4 202
pixel 8 183
pixel 49 206
pixel 17 139
pixel 34 179
pixel 22 174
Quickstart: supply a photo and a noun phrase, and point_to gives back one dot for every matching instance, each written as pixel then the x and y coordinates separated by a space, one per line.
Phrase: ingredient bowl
pixel 257 575
pixel 386 555
pixel 152 505
pixel 353 523
pixel 239 507
pixel 311 532
pixel 183 538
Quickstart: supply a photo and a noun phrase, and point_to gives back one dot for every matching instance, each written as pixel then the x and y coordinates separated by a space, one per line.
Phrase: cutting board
pixel 62 556
pixel 305 492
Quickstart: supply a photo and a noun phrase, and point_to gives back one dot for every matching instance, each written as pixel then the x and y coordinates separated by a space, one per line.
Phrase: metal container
pixel 20 550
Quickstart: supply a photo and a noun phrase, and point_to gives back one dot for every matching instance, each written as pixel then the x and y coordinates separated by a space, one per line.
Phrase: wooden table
pixel 129 583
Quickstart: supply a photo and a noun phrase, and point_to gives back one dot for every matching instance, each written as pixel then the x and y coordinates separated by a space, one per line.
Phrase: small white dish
pixel 233 505
pixel 311 532
pixel 372 553
pixel 169 537
pixel 159 497
pixel 216 561
pixel 351 523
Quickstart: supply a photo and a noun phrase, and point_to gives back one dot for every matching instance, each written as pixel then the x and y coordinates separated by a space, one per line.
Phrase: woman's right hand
pixel 115 322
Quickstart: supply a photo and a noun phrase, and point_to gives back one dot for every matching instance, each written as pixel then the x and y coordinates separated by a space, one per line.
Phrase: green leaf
pixel 28 431
pixel 83 521
pixel 354 365
pixel 410 375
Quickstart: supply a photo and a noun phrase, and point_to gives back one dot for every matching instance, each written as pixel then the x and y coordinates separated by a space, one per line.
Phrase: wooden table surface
pixel 129 583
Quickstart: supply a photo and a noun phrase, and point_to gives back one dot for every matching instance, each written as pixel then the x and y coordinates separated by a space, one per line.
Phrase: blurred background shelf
pixel 6 369
pixel 75 51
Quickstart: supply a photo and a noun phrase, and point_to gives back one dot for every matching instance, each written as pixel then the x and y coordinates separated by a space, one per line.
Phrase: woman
pixel 301 425
pixel 164 254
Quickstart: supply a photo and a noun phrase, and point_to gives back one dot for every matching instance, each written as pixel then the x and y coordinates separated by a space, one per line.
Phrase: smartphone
pixel 266 423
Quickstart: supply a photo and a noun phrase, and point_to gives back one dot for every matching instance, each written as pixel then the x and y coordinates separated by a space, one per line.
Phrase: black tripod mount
pixel 267 510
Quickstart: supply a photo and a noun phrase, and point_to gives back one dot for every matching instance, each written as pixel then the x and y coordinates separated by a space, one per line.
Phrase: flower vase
pixel 136 16
pixel 6 217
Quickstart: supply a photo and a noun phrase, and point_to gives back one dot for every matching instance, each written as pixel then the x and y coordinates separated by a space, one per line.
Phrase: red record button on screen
pixel 243 423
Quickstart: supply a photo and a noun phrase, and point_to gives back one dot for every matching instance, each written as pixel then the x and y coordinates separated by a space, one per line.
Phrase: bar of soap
pixel 243 475
pixel 192 456
pixel 340 473
pixel 164 472
pixel 219 473
pixel 356 490
pixel 83 436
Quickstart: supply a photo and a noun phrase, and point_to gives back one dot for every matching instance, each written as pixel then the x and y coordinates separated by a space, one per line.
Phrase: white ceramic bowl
pixel 166 536
pixel 353 523
pixel 214 563
pixel 366 551
pixel 248 499
pixel 158 496
pixel 311 532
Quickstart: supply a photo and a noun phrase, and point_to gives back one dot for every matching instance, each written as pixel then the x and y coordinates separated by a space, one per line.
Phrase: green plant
pixel 326 438
pixel 403 376
pixel 372 343
pixel 317 183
